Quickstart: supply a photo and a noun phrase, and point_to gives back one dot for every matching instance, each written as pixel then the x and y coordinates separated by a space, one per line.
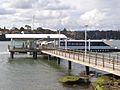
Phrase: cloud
pixel 38 4
pixel 4 11
pixel 22 4
pixel 73 14
pixel 92 17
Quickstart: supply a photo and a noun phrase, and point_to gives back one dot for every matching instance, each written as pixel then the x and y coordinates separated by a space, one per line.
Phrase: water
pixel 24 73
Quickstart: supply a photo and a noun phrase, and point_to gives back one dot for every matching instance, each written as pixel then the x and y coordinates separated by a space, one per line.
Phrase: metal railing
pixel 97 59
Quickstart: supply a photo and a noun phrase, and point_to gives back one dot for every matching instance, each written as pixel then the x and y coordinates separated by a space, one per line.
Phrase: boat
pixel 113 43
pixel 91 45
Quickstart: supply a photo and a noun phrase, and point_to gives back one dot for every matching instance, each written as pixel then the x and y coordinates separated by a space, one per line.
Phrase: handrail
pixel 92 58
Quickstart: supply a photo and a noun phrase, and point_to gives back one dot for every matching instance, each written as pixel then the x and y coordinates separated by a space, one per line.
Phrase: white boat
pixel 92 45
pixel 113 43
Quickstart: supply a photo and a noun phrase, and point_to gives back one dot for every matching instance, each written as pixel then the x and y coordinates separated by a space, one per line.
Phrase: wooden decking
pixel 94 60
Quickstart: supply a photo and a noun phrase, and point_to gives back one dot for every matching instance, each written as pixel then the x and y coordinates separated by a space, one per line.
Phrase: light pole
pixel 59 38
pixel 33 22
pixel 85 40
pixel 60 22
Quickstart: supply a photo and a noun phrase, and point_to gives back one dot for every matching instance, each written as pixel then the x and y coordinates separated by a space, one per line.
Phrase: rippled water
pixel 24 73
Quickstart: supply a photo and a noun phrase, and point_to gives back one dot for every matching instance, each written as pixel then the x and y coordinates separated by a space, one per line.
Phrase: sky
pixel 59 14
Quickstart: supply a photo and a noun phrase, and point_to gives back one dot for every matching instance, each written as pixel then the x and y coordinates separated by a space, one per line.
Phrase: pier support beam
pixel 34 55
pixel 49 57
pixel 58 61
pixel 69 65
pixel 12 55
pixel 87 70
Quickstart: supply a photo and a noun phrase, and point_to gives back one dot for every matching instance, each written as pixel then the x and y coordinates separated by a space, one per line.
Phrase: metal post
pixel 85 40
pixel 96 59
pixel 65 43
pixel 117 58
pixel 33 22
pixel 89 45
pixel 78 56
pixel 69 54
pixel 62 53
pixel 59 39
pixel 54 43
pixel 109 57
pixel 83 57
pixel 65 53
pixel 73 54
pixel 59 52
pixel 103 61
pixel 113 63
pixel 12 43
pixel 89 57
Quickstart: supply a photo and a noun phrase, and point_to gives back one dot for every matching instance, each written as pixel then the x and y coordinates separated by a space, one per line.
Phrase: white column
pixel 85 40
pixel 66 43
pixel 11 43
pixel 59 38
pixel 89 45
pixel 54 43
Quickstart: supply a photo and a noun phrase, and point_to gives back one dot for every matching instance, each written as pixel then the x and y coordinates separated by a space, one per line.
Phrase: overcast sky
pixel 57 14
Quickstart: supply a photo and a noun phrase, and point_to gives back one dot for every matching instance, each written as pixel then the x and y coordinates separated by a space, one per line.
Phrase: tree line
pixel 95 34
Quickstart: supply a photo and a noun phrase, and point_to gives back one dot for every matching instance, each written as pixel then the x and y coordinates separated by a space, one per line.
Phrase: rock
pixel 71 80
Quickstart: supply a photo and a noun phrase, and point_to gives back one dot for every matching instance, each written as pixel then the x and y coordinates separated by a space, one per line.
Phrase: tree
pixel 28 27
pixel 22 29
pixel 4 28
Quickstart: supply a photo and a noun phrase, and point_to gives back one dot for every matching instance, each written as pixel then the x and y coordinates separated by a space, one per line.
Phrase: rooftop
pixel 35 36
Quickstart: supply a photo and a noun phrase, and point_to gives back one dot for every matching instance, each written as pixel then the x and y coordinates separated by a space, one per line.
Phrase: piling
pixel 69 65
pixel 58 61
pixel 87 70
pixel 49 57
pixel 34 55
pixel 12 54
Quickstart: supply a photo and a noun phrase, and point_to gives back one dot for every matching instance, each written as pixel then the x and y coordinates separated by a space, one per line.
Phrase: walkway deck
pixel 94 60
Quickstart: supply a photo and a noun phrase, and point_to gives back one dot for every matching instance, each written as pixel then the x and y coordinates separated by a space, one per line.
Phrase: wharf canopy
pixel 31 40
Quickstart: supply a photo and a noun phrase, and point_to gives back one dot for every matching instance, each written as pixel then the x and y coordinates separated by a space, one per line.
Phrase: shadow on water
pixel 21 61
pixel 41 60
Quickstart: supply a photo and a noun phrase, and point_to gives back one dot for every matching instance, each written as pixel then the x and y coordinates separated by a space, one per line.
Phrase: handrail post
pixel 113 63
pixel 74 54
pixel 96 59
pixel 109 57
pixel 89 57
pixel 78 56
pixel 103 61
pixel 62 52
pixel 59 51
pixel 117 58
pixel 65 52
pixel 69 54
pixel 54 50
pixel 83 57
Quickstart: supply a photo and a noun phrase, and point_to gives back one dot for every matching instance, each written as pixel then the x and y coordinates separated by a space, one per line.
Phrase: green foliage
pixel 69 78
pixel 102 80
